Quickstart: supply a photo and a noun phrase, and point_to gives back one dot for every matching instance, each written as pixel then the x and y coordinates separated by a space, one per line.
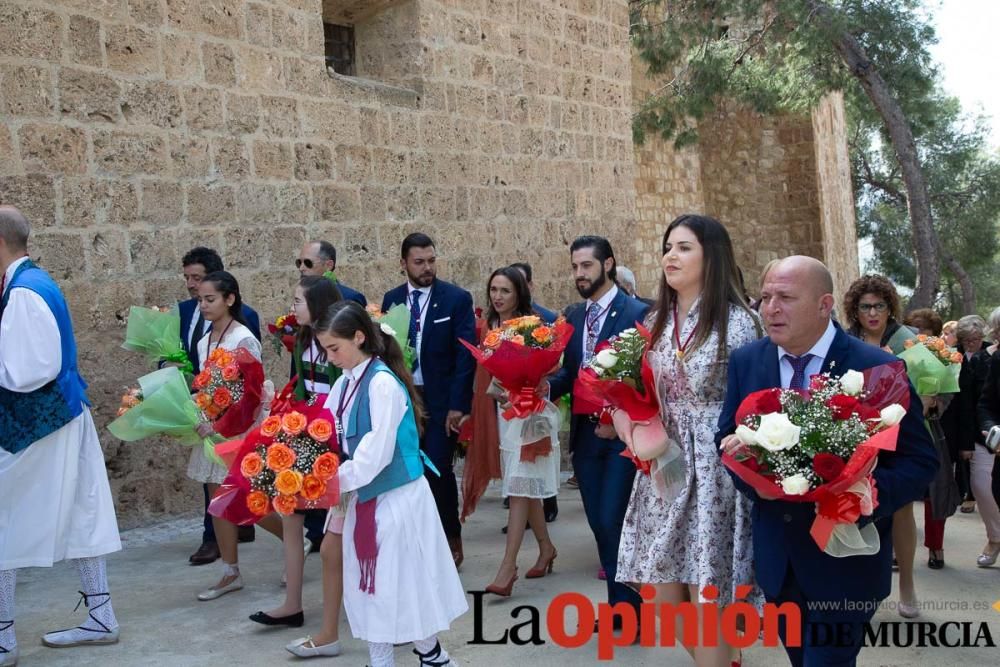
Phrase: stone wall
pixel 133 130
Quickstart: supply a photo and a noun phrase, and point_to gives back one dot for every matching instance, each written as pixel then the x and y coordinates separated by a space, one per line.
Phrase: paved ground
pixel 163 623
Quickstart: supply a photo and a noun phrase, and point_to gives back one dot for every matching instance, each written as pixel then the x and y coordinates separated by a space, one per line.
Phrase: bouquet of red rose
pixel 290 462
pixel 821 446
pixel 283 331
pixel 230 389
pixel 518 354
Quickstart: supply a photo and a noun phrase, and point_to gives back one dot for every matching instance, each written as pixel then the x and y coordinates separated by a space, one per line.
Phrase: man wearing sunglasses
pixel 318 257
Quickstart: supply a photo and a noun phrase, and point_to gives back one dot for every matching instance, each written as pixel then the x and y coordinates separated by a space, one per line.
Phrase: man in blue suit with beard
pixel 802 341
pixel 441 315
pixel 604 475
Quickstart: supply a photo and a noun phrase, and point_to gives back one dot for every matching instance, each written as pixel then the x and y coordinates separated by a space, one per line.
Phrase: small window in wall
pixel 339 48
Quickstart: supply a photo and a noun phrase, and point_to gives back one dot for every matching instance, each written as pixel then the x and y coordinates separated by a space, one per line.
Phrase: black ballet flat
pixel 292 620
pixel 935 563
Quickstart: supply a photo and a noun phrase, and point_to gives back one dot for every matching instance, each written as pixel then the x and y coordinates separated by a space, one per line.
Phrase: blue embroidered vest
pixel 406 464
pixel 26 417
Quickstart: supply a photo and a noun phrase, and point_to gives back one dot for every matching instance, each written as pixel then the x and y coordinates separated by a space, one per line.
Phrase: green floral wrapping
pixel 157 335
pixel 166 409
pixel 398 318
pixel 928 373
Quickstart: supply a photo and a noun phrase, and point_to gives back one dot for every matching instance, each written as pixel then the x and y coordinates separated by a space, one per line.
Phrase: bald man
pixel 796 302
pixel 55 501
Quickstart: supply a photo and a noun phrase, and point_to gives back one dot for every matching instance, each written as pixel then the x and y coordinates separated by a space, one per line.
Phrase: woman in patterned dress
pixel 700 534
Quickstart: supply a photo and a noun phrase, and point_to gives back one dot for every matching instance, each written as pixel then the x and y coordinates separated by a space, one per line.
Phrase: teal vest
pixel 28 417
pixel 407 464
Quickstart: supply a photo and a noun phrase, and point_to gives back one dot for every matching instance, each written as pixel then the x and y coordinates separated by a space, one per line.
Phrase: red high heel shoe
pixel 503 591
pixel 546 568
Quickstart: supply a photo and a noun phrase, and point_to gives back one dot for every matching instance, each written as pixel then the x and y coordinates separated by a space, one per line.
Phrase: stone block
pixel 230 158
pixel 111 10
pixel 11 164
pixel 219 18
pixel 203 108
pixel 330 121
pixel 211 205
pixel 152 103
pixel 191 156
pixel 283 244
pixel 107 253
pixel 258 24
pixel 279 116
pixel 29 32
pixel 390 166
pixel 361 244
pixel 219 63
pixel 334 203
pixel 259 70
pixel 162 203
pixel 272 160
pixel 147 12
pixel 288 29
pixel 256 205
pixel 34 195
pixel 26 90
pixel 154 251
pixel 59 253
pixel 354 164
pixel 374 203
pixel 242 113
pixel 127 152
pixel 47 147
pixel 83 41
pixel 132 50
pixel 404 203
pixel 313 162
pixel 181 58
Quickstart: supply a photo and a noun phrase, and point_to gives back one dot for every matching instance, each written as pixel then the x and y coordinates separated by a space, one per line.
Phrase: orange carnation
pixel 542 334
pixel 288 482
pixel 293 423
pixel 320 430
pixel 258 503
pixel 230 372
pixel 313 487
pixel 326 466
pixel 280 457
pixel 270 426
pixel 285 504
pixel 222 397
pixel 202 379
pixel 252 465
pixel 493 339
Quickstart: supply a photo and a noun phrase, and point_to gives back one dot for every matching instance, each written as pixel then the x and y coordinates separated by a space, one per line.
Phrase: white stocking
pixel 432 653
pixel 7 641
pixel 381 654
pixel 94 581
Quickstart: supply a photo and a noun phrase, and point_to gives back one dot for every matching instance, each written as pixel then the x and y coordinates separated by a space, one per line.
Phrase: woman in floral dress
pixel 697 533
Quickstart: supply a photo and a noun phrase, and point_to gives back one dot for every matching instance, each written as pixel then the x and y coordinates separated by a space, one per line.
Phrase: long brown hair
pixel 344 318
pixel 320 293
pixel 521 291
pixel 720 283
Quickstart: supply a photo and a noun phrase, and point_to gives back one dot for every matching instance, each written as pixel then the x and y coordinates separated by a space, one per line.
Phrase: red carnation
pixel 843 406
pixel 769 402
pixel 828 466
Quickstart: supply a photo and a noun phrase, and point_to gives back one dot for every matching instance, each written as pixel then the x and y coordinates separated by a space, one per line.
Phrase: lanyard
pixel 678 346
pixel 345 400
pixel 427 300
pixel 218 343
pixel 592 328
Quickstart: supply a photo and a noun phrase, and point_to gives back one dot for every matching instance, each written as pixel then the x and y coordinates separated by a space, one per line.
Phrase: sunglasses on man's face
pixel 299 262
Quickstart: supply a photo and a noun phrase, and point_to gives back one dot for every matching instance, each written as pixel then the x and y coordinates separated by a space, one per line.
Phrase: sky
pixel 968 51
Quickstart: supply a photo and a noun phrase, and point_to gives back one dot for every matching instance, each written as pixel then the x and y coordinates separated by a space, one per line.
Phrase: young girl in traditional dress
pixel 220 303
pixel 313 376
pixel 400 582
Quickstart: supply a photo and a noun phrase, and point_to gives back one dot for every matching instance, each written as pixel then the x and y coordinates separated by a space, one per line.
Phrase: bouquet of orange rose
pixel 131 398
pixel 931 365
pixel 290 462
pixel 230 388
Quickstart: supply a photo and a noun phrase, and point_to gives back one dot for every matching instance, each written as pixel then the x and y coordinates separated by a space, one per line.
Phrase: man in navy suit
pixel 604 475
pixel 318 257
pixel 441 315
pixel 802 341
pixel 198 263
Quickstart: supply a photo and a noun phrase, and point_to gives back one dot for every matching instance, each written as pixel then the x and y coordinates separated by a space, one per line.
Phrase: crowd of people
pixel 398 426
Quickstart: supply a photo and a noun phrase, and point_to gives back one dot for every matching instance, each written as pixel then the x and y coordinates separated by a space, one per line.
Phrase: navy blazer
pixel 352 294
pixel 623 314
pixel 447 367
pixel 188 310
pixel 781 529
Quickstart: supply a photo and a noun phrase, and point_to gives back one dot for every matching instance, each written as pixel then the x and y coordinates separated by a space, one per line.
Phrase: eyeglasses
pixel 300 262
pixel 873 307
